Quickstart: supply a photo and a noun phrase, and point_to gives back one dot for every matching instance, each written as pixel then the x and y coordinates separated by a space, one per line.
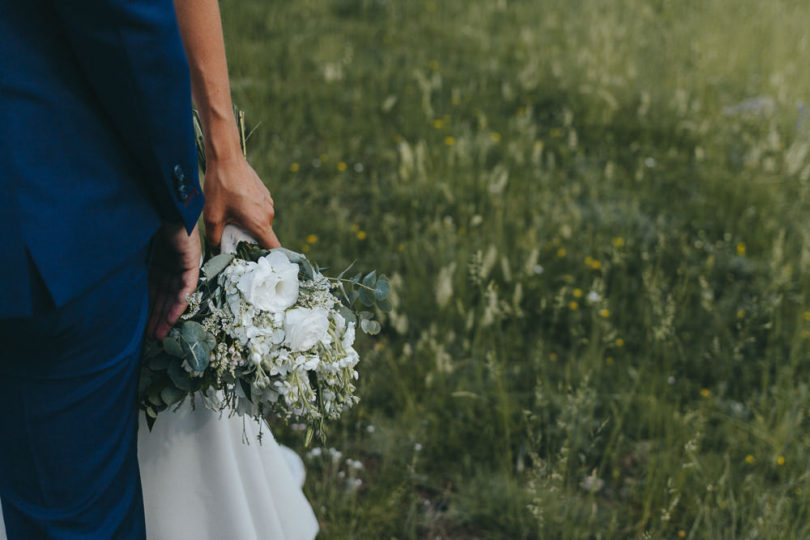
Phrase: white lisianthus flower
pixel 305 328
pixel 271 284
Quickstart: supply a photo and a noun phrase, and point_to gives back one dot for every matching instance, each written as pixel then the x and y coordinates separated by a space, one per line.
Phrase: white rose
pixel 305 327
pixel 271 284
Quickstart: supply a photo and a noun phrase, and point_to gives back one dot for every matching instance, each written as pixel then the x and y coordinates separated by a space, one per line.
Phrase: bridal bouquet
pixel 266 333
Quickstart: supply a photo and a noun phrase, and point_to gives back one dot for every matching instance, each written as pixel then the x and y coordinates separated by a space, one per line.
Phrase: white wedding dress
pixel 201 481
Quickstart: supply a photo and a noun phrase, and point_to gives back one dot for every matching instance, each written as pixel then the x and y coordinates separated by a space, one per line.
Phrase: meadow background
pixel 595 216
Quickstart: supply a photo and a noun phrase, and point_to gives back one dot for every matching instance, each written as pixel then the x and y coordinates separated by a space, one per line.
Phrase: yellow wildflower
pixel 361 235
pixel 305 248
pixel 806 315
pixel 312 238
pixel 740 313
pixel 681 533
pixel 609 360
pixel 604 313
pixel 780 461
pixel 400 247
pixel 341 166
pixel 553 357
pixel 749 459
pixel 434 65
pixel 561 253
pixel 355 227
pixel 449 141
pixel 619 342
pixel 596 265
pixel 495 136
pixel 706 393
pixel 577 293
pixel 294 167
pixel 573 306
pixel 741 249
pixel 438 123
pixel 618 241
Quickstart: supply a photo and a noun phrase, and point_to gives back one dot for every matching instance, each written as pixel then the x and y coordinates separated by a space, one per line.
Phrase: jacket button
pixel 180 186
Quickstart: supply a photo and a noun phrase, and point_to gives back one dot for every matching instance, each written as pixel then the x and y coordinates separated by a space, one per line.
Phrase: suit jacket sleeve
pixel 132 54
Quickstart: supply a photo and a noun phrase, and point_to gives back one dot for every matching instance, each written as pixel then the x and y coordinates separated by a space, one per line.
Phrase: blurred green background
pixel 595 217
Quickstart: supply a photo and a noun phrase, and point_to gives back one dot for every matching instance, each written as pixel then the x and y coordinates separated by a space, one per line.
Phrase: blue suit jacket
pixel 96 140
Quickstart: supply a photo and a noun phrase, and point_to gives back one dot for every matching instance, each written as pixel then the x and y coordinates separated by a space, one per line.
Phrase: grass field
pixel 596 217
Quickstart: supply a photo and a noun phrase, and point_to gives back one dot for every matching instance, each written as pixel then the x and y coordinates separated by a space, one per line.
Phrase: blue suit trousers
pixel 68 412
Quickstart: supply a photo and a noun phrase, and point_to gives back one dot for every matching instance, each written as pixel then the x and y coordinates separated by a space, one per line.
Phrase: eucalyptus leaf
pixel 365 315
pixel 371 279
pixel 366 296
pixel 172 346
pixel 171 395
pixel 217 264
pixel 153 397
pixel 160 362
pixel 340 276
pixel 144 381
pixel 385 305
pixel 347 314
pixel 179 376
pixel 197 344
pixel 382 289
pixel 370 327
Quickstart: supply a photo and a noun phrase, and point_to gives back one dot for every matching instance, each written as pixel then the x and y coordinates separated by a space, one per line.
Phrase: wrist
pixel 221 136
pixel 221 146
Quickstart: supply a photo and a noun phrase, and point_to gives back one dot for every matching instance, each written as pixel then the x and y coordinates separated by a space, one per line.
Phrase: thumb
pixel 213 231
pixel 268 238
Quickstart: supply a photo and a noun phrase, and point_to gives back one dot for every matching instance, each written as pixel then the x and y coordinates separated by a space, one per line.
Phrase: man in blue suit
pixel 97 162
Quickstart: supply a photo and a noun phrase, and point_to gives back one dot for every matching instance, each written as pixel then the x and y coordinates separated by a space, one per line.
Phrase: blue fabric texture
pixel 96 140
pixel 68 393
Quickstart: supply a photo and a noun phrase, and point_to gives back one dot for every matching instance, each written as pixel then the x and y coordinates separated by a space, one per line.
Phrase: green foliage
pixel 216 264
pixel 594 216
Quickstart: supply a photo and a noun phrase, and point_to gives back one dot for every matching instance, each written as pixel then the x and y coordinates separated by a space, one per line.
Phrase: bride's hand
pixel 234 193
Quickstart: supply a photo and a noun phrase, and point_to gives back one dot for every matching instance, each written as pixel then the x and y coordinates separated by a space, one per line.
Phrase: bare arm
pixel 234 193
